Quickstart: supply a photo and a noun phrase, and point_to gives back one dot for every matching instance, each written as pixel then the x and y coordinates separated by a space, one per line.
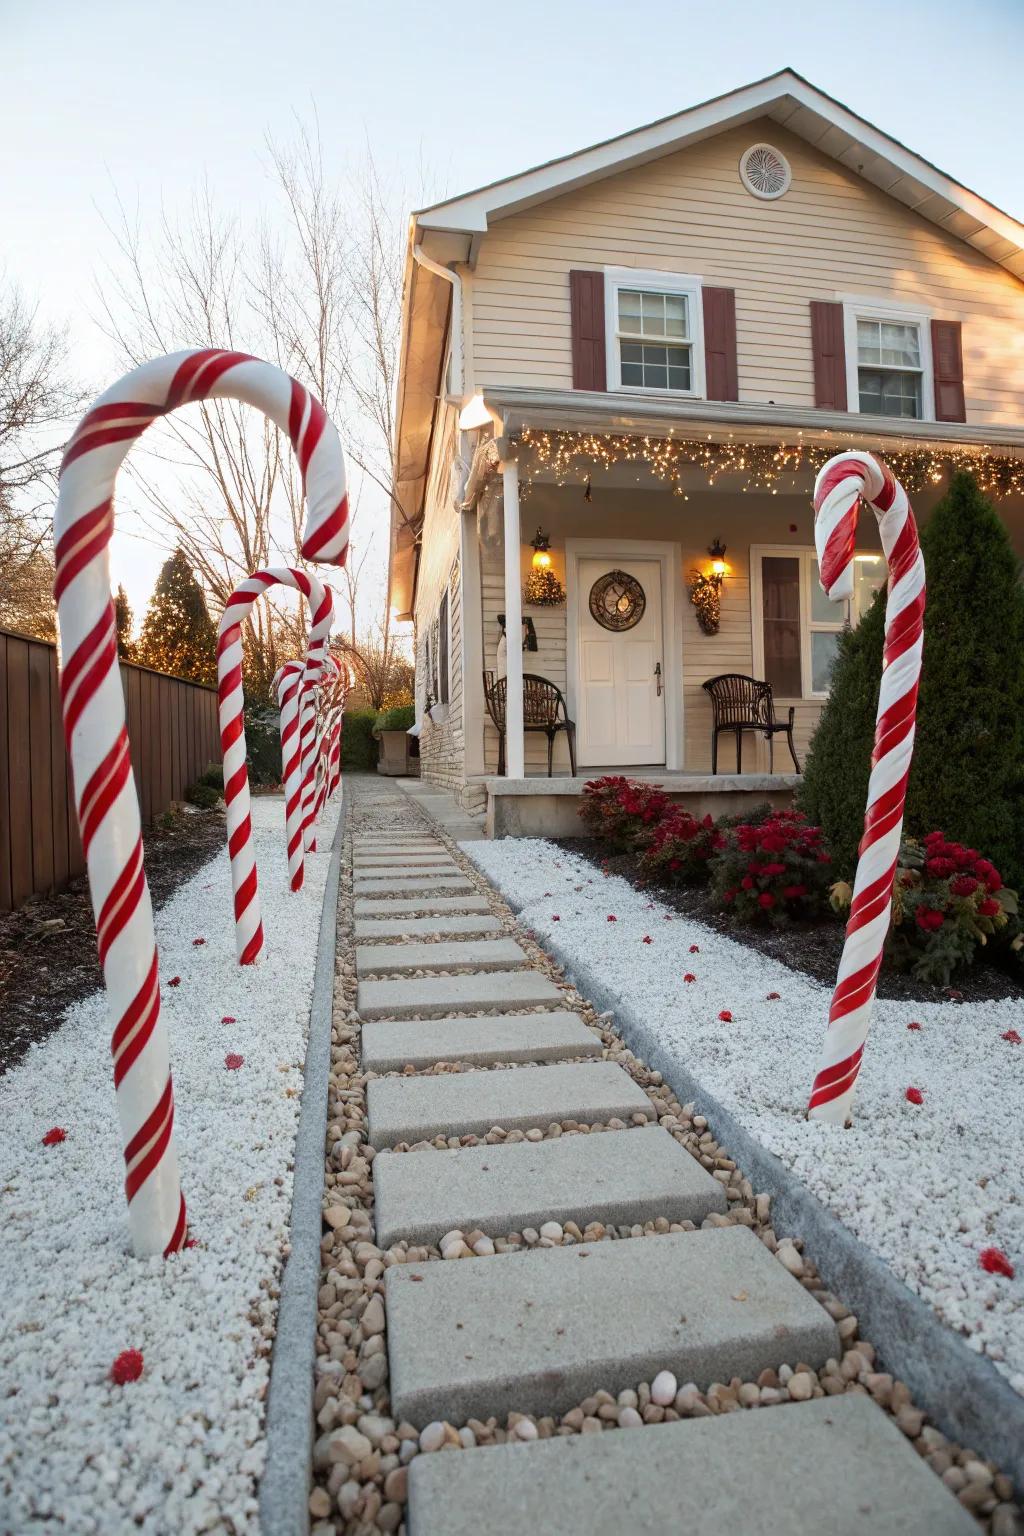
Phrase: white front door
pixel 620 703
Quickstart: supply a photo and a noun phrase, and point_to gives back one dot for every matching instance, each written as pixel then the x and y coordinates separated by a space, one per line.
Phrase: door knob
pixel 657 674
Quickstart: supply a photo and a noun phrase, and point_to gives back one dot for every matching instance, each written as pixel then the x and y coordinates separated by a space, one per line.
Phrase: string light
pixel 763 466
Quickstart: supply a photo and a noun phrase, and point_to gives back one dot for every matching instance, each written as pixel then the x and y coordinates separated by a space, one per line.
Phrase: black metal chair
pixel 544 709
pixel 745 704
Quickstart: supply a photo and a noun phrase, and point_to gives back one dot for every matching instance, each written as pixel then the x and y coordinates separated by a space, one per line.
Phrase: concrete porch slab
pixel 542 807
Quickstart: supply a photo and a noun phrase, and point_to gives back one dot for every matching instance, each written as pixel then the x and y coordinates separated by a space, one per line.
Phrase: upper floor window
pixel 888 362
pixel 653 328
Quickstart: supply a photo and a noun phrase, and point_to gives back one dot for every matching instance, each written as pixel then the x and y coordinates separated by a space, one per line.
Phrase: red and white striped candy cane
pixel 94 723
pixel 843 482
pixel 287 681
pixel 316 659
pixel 249 937
pixel 328 706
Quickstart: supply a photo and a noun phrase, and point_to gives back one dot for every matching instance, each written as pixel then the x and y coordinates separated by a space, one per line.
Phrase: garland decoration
pixel 543 589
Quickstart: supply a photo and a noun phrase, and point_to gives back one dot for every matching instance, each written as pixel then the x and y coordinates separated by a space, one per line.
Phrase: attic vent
pixel 764 171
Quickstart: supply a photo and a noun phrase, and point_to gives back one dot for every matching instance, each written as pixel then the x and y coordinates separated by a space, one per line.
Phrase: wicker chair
pixel 544 709
pixel 744 704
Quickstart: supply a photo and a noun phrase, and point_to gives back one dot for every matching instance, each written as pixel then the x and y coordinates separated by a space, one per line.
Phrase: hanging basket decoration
pixel 543 590
pixel 706 589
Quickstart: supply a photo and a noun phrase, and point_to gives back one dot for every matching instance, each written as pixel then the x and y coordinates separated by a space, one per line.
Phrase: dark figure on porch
pixel 745 704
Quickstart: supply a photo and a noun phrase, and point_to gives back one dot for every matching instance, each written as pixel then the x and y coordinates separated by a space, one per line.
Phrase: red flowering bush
pixel 776 870
pixel 622 811
pixel 947 903
pixel 680 847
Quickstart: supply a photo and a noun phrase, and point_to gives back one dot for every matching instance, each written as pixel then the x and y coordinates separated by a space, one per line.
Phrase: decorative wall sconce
pixel 543 588
pixel 706 589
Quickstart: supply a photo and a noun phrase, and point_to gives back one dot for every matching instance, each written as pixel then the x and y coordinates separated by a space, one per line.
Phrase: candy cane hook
pixel 249 937
pixel 94 723
pixel 841 485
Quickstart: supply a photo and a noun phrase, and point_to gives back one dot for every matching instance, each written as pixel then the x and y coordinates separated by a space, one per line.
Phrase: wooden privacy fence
pixel 172 727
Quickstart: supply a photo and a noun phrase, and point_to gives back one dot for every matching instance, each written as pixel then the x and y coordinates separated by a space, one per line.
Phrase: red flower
pixel 1011 1035
pixel 773 997
pixel 612 919
pixel 928 919
pixel 198 941
pixel 794 892
pixel 689 976
pixel 773 869
pixel 229 1019
pixel 915 1096
pixel 747 883
pixel 964 885
pixel 766 900
pixel 994 1262
pixel 939 868
pixel 54 1137
pixel 647 939
pixel 694 949
pixel 725 1016
pixel 555 917
pixel 127 1367
pixel 233 1062
pixel 989 907
pixel 175 981
pixel 913 1024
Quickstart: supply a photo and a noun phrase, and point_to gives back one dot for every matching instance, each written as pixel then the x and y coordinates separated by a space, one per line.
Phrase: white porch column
pixel 515 763
pixel 472 646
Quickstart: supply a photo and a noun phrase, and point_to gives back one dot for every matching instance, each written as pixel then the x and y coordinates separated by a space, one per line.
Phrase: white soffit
pixel 795 104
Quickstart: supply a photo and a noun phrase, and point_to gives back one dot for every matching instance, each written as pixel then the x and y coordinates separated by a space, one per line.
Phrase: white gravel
pixel 925 1187
pixel 181 1449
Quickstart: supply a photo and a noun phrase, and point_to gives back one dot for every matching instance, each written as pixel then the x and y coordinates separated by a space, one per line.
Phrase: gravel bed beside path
pixel 179 1450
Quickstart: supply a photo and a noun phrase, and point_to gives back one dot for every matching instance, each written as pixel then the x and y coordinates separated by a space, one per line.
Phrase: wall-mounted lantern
pixel 706 589
pixel 543 588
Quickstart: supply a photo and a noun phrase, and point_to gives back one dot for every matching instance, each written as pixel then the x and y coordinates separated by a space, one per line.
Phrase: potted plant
pixel 399 752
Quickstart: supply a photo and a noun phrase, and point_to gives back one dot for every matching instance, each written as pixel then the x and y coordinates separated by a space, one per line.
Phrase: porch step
pixel 470 1103
pixel 415 927
pixel 837 1466
pixel 390 1045
pixel 434 996
pixel 475 954
pixel 400 884
pixel 539 1331
pixel 385 906
pixel 619 1178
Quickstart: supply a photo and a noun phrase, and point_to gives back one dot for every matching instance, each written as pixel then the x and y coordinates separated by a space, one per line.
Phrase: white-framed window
pixel 888 361
pixel 654 332
pixel 795 627
pixel 437 654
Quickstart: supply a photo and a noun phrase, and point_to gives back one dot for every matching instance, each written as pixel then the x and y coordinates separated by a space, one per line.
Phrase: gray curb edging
pixel 961 1391
pixel 284 1486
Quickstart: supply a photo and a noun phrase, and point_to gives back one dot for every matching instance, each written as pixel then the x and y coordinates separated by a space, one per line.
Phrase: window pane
pixel 900 346
pixel 823 610
pixel 869 341
pixel 678 378
pixel 647 366
pixel 675 314
pixel 823 655
pixel 629 310
pixel 869 574
pixel 780 589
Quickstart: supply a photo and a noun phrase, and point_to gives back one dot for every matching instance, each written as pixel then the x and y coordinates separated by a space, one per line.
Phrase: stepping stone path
pixel 535 1332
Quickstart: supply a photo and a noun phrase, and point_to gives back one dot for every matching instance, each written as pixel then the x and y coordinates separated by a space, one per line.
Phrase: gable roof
pixel 788 99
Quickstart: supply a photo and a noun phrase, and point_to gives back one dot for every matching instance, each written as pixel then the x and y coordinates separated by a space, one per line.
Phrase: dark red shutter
pixel 829 349
pixel 586 294
pixel 948 371
pixel 721 376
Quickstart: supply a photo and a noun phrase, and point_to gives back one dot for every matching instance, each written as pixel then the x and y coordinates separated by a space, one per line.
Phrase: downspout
pixel 450 276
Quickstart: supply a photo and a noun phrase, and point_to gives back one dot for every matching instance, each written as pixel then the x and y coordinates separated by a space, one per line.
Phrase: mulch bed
pixel 813 948
pixel 48 947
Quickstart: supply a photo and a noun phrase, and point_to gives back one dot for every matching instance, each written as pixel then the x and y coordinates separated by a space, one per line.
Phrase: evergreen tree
pixel 967 775
pixel 123 618
pixel 178 635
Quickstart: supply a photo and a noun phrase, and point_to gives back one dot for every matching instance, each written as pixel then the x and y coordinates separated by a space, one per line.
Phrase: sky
pixel 141 102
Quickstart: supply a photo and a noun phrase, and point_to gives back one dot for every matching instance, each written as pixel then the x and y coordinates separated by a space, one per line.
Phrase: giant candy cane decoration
pixel 94 723
pixel 287 681
pixel 841 485
pixel 248 926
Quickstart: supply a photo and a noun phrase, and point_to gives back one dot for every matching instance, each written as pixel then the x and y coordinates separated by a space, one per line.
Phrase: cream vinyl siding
pixel 441 744
pixel 832 235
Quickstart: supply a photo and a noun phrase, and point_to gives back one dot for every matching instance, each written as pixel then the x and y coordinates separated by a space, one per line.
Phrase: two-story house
pixel 642 353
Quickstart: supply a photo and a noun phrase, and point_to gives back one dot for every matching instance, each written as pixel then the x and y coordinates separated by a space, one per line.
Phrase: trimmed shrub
pixel 398 718
pixel 948 902
pixel 263 745
pixel 202 795
pixel 968 768
pixel 214 777
pixel 680 847
pixel 358 748
pixel 622 811
pixel 773 872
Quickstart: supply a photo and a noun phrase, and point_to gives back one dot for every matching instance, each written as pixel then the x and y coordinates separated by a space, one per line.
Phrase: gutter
pixel 449 275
